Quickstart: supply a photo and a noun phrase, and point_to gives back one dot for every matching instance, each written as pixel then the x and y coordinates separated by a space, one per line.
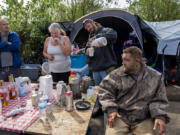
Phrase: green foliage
pixel 155 10
pixel 29 19
pixel 79 8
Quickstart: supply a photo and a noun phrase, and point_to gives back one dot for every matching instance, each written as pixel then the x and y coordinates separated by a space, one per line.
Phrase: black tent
pixel 124 23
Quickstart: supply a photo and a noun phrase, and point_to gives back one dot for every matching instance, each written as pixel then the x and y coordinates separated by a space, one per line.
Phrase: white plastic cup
pixel 91 51
pixel 102 40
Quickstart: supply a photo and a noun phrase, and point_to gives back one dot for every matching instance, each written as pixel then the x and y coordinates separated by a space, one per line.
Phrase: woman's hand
pixel 56 41
pixel 50 57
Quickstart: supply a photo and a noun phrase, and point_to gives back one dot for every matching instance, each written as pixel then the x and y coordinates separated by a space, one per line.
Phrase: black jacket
pixel 104 57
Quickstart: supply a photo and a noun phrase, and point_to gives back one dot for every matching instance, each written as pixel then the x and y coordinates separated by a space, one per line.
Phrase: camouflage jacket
pixel 135 100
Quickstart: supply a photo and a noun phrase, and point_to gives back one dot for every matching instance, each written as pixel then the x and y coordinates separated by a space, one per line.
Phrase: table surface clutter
pixel 20 122
pixel 63 122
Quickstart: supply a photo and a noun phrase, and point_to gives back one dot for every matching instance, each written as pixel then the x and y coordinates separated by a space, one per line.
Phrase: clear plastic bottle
pixel 46 99
pixel 90 94
pixel 42 109
pixel 21 89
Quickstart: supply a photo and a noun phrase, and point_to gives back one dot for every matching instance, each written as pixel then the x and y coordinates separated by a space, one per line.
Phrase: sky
pixel 122 4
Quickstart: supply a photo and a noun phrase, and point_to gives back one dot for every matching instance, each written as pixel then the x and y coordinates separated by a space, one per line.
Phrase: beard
pixel 93 30
pixel 130 70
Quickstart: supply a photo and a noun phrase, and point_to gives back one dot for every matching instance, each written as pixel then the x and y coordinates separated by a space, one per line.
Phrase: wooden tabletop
pixel 65 123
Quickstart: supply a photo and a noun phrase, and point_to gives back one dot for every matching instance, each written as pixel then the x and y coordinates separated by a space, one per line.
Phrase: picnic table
pixel 66 123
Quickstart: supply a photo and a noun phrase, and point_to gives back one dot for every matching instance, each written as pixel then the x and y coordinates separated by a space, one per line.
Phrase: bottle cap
pixel 90 87
pixel 72 72
pixel 68 93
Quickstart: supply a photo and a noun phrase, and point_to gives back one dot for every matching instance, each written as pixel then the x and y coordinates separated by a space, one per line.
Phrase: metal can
pixel 69 101
pixel 61 93
pixel 34 100
pixel 75 87
pixel 85 83
pixel 59 87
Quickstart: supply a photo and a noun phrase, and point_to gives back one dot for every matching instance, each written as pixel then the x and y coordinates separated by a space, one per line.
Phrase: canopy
pixel 168 35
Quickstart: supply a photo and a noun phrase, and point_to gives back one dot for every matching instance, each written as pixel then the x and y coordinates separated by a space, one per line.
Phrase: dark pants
pixel 60 77
pixel 6 71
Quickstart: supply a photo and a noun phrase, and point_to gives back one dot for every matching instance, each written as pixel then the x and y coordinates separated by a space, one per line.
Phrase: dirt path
pixel 173 128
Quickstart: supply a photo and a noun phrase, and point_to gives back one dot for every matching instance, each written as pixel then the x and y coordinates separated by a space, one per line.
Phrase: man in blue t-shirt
pixel 10 60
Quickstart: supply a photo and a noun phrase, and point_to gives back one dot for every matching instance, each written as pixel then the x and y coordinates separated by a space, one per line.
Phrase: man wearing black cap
pixel 103 59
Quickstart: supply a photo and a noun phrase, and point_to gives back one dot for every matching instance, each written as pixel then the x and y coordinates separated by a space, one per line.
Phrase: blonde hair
pixel 56 26
pixel 62 32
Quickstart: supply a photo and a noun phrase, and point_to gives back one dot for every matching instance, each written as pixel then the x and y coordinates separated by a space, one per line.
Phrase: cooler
pixel 81 71
pixel 78 61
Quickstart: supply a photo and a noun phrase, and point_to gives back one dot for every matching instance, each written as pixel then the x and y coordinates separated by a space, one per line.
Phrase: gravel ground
pixel 173 128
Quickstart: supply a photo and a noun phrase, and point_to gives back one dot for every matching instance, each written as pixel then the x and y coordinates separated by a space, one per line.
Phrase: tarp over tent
pixel 168 33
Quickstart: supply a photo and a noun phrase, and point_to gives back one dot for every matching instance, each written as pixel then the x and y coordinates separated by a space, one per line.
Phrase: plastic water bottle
pixel 46 99
pixel 42 109
pixel 90 94
pixel 21 90
pixel 101 40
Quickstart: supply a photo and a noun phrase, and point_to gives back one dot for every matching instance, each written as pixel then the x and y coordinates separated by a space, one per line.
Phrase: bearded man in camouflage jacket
pixel 134 97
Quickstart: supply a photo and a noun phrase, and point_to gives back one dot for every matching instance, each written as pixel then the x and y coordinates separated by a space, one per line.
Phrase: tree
pixel 155 10
pixel 29 19
pixel 78 8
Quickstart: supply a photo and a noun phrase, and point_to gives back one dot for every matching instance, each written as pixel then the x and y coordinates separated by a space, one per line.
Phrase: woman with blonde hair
pixel 57 49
